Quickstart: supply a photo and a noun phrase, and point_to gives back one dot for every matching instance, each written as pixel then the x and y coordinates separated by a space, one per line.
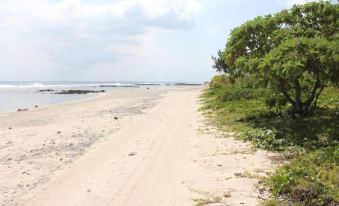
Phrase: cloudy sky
pixel 119 40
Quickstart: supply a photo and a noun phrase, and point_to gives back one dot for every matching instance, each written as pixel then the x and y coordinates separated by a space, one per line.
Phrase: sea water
pixel 16 95
pixel 25 95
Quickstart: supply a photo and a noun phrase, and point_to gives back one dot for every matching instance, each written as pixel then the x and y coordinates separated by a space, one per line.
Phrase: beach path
pixel 144 163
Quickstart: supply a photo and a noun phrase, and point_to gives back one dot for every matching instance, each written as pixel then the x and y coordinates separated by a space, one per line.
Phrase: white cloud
pixel 185 9
pixel 66 35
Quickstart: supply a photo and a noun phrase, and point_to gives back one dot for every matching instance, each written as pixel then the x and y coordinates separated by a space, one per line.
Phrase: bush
pixel 240 93
pixel 218 81
pixel 311 179
pixel 237 94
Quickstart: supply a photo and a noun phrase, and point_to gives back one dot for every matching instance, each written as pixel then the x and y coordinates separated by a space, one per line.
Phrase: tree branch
pixel 317 96
pixel 283 90
pixel 312 93
pixel 288 97
pixel 297 93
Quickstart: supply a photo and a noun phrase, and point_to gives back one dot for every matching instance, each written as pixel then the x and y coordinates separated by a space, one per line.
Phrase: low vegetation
pixel 311 142
pixel 311 178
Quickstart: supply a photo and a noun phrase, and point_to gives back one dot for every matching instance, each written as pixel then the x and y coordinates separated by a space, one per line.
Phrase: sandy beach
pixel 133 146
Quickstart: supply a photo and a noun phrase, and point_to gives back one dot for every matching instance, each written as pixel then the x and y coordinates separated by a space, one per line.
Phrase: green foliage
pixel 276 102
pixel 294 52
pixel 297 63
pixel 311 179
pixel 218 64
pixel 241 93
pixel 218 81
pixel 267 139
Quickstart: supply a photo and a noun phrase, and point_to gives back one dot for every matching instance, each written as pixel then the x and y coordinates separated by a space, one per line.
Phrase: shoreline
pixel 89 96
pixel 85 98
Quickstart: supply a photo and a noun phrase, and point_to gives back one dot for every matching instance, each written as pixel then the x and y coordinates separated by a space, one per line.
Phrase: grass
pixel 225 114
pixel 311 177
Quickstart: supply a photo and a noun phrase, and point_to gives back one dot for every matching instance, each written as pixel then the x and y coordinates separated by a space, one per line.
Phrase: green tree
pixel 295 52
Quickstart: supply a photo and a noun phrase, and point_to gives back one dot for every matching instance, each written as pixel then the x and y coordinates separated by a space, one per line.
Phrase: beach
pixel 132 146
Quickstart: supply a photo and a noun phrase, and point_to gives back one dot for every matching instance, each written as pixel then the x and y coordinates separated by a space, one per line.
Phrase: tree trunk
pixel 299 107
pixel 310 102
pixel 298 103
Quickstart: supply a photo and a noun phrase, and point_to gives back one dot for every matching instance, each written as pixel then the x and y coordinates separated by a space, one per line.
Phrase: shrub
pixel 238 93
pixel 311 179
pixel 218 81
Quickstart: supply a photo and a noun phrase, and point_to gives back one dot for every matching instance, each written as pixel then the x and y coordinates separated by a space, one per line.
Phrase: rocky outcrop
pixel 72 91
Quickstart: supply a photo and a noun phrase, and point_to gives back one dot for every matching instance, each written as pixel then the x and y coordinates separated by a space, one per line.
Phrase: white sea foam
pixel 22 85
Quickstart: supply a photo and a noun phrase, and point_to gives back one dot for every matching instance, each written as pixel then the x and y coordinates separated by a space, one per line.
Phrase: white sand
pixel 158 152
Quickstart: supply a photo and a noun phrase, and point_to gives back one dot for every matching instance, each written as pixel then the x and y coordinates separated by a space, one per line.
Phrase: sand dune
pixel 133 147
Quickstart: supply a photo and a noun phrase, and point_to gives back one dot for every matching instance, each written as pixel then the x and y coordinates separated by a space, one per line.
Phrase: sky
pixel 119 40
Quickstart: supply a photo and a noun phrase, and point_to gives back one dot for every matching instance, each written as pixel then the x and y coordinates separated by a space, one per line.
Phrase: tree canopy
pixel 295 52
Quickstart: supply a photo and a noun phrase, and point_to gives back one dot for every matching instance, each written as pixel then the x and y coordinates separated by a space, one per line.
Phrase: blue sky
pixel 121 40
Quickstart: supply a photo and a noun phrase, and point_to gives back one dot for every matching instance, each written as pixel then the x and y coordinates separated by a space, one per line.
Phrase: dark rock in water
pixel 46 90
pixel 72 91
pixel 36 106
pixel 22 110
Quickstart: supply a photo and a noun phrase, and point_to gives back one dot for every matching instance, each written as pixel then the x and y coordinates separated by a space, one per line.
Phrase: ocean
pixel 16 95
